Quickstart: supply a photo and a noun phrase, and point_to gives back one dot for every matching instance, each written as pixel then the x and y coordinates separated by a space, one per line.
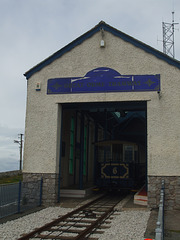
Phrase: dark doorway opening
pixel 104 144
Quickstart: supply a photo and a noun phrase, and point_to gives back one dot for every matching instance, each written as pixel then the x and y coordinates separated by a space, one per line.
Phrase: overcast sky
pixel 32 30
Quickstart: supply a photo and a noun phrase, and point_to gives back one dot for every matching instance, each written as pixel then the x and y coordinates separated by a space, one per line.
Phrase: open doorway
pixel 104 144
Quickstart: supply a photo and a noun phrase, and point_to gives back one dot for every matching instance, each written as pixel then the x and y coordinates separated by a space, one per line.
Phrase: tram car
pixel 120 165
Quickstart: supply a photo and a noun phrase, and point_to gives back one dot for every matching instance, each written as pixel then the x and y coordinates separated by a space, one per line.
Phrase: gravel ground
pixel 127 225
pixel 12 230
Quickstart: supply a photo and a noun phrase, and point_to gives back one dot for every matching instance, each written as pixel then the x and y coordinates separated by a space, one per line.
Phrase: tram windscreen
pixel 104 153
pixel 128 153
pixel 117 152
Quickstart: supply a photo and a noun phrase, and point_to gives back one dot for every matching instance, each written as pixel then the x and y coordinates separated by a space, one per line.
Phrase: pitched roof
pixel 91 32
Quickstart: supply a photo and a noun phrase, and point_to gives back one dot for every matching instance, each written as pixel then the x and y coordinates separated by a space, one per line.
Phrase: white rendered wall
pixel 163 115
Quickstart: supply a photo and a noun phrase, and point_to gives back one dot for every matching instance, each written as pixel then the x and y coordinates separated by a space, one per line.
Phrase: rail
pixel 159 232
pixel 78 224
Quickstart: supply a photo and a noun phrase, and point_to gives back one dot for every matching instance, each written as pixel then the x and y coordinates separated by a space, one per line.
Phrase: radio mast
pixel 168 37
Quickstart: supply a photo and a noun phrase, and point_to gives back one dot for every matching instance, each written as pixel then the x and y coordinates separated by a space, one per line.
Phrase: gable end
pixel 90 33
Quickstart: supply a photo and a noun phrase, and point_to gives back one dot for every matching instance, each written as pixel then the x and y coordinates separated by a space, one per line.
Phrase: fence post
pixel 19 197
pixel 163 197
pixel 159 232
pixel 40 197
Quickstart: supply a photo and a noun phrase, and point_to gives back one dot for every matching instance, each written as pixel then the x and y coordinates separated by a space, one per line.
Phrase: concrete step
pixel 75 193
pixel 140 197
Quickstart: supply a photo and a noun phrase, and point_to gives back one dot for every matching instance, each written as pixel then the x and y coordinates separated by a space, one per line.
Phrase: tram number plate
pixel 115 170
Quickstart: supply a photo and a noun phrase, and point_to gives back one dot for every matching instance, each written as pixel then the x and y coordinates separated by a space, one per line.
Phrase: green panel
pixel 71 156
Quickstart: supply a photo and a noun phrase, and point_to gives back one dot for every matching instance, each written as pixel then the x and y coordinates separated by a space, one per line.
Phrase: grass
pixel 11 179
pixel 175 231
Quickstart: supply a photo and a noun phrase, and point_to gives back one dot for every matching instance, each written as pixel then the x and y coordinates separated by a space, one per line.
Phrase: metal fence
pixel 160 221
pixel 8 199
pixel 19 197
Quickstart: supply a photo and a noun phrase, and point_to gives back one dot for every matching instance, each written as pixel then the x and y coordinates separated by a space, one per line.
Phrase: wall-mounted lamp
pixel 102 42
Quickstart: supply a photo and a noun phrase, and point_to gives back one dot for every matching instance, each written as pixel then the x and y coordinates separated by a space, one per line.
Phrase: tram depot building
pixel 104 112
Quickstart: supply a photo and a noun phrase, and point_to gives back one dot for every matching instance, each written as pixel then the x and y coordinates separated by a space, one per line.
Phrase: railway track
pixel 81 223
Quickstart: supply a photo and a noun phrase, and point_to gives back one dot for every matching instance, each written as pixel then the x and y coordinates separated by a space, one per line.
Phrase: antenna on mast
pixel 168 37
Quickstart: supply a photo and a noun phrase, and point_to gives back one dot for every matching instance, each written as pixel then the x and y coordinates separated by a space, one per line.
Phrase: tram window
pixel 117 152
pixel 100 154
pixel 104 153
pixel 107 153
pixel 128 153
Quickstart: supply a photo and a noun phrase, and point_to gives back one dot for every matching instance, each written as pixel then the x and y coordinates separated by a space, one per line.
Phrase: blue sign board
pixel 104 80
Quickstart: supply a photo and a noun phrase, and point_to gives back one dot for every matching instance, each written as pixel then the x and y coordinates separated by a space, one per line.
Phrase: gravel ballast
pixel 126 225
pixel 12 230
